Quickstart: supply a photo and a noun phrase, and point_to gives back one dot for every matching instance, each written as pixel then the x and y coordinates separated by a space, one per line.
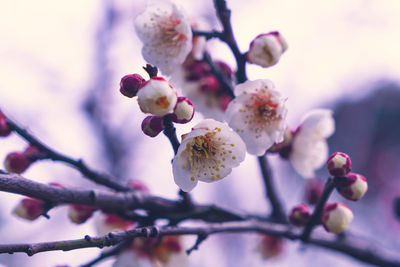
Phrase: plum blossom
pixel 258 115
pixel 309 149
pixel 208 153
pixel 157 97
pixel 166 35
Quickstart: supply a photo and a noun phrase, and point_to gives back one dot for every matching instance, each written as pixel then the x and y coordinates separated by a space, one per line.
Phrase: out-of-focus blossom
pixel 29 209
pixel 153 125
pixel 4 128
pixel 313 190
pixel 339 164
pixel 152 252
pixel 183 112
pixel 157 97
pixel 130 84
pixel 166 35
pixel 309 149
pixel 258 115
pixel 80 213
pixel 138 185
pixel 336 217
pixel 300 215
pixel 353 186
pixel 208 153
pixel 266 49
pixel 107 222
pixel 270 246
pixel 209 96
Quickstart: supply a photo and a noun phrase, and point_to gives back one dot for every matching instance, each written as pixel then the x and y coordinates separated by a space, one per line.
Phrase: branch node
pixel 88 238
pixel 200 238
pixel 29 251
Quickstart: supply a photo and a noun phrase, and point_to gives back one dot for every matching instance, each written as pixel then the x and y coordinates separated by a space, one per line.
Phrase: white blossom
pixel 309 148
pixel 166 35
pixel 258 115
pixel 157 97
pixel 208 153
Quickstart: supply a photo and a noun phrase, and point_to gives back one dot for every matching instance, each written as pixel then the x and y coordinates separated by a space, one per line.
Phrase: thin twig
pixel 208 35
pixel 99 178
pixel 316 216
pixel 278 212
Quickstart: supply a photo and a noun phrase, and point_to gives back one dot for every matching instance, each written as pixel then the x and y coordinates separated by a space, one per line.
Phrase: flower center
pixel 170 33
pixel 162 102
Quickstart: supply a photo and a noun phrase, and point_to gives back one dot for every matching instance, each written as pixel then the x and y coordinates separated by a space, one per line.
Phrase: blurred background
pixel 60 67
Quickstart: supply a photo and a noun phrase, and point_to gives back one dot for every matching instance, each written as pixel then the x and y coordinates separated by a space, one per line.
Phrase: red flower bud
pixel 16 162
pixel 4 128
pixel 80 213
pixel 313 191
pixel 270 246
pixel 336 217
pixel 339 164
pixel 130 84
pixel 29 209
pixel 153 125
pixel 300 215
pixel 353 186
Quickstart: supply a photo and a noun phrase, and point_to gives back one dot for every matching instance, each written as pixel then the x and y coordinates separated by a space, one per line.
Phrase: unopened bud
pixel 130 84
pixel 336 217
pixel 16 162
pixel 224 68
pixel 353 186
pixel 224 100
pixel 32 153
pixel 338 164
pixel 138 185
pixel 4 128
pixel 270 246
pixel 300 215
pixel 157 97
pixel 183 112
pixel 153 125
pixel 266 49
pixel 196 70
pixel 29 209
pixel 80 213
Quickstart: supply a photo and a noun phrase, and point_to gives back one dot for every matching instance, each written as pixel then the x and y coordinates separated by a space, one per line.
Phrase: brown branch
pixel 354 248
pixel 99 178
pixel 121 202
pixel 278 212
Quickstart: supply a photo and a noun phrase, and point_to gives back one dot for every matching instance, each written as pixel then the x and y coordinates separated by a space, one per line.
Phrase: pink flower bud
pixel 130 84
pixel 29 209
pixel 336 217
pixel 157 97
pixel 16 162
pixel 339 164
pixel 270 246
pixel 300 215
pixel 313 191
pixel 183 112
pixel 80 213
pixel 33 153
pixel 196 70
pixel 153 125
pixel 266 49
pixel 353 186
pixel 4 128
pixel 224 68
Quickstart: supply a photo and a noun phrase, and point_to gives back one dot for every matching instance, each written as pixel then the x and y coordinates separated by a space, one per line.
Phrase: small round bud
pixel 16 162
pixel 130 84
pixel 353 186
pixel 29 209
pixel 266 49
pixel 80 213
pixel 33 153
pixel 157 97
pixel 153 125
pixel 339 164
pixel 4 128
pixel 313 191
pixel 270 246
pixel 183 112
pixel 223 67
pixel 336 217
pixel 196 70
pixel 300 215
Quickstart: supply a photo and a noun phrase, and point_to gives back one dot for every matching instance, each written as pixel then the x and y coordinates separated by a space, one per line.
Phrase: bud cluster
pixel 158 98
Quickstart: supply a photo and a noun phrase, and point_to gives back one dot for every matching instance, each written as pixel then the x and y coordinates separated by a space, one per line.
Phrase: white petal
pixel 182 176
